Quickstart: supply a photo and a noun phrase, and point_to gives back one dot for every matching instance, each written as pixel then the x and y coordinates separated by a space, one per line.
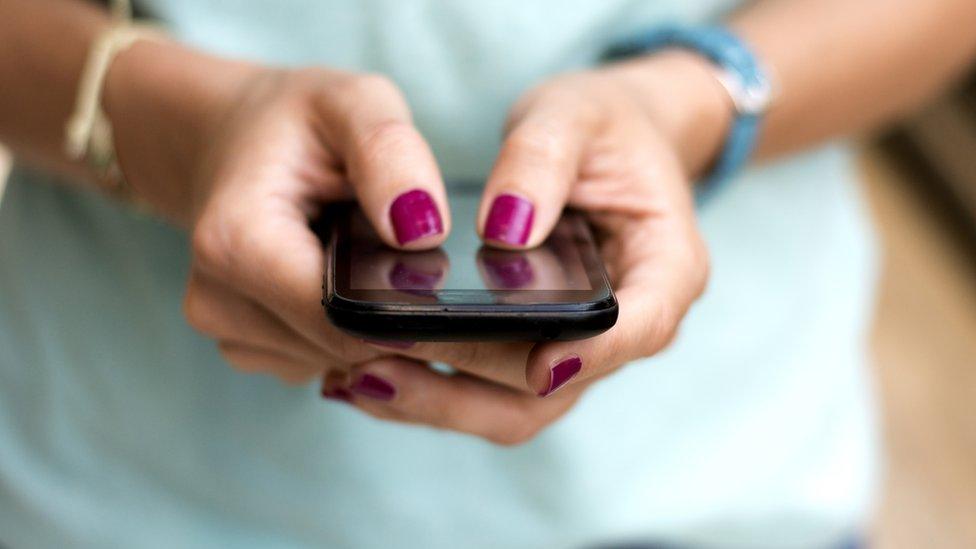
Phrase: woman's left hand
pixel 590 141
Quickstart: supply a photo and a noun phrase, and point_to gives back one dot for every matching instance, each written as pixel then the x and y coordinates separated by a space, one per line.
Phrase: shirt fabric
pixel 121 427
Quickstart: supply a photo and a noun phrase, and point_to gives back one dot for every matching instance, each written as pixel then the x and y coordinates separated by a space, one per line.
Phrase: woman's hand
pixel 589 141
pixel 261 152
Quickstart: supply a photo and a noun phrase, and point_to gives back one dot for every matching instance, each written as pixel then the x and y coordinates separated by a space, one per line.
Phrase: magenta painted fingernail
pixel 337 393
pixel 414 215
pixel 509 220
pixel 561 372
pixel 372 386
pixel 391 344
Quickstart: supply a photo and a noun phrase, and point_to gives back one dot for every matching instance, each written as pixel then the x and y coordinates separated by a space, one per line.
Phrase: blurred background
pixel 921 181
pixel 920 178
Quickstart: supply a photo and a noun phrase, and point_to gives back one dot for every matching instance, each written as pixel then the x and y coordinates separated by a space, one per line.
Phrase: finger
pixel 256 360
pixel 391 167
pixel 534 172
pixel 654 293
pixel 224 314
pixel 502 363
pixel 408 391
pixel 273 258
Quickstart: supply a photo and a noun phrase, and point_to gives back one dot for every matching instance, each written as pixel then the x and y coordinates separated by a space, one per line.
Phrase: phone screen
pixel 463 263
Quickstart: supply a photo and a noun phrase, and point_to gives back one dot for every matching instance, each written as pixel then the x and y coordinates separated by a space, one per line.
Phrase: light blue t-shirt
pixel 120 427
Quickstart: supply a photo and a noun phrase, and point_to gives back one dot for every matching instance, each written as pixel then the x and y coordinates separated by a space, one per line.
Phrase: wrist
pixel 683 97
pixel 165 104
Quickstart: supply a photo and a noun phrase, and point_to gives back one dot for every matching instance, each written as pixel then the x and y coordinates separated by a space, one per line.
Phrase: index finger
pixel 535 170
pixel 389 164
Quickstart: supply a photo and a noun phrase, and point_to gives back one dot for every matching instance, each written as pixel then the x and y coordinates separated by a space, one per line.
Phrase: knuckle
pixel 225 246
pixel 524 424
pixel 237 360
pixel 375 84
pixel 432 408
pixel 386 413
pixel 198 314
pixel 667 339
pixel 386 138
pixel 453 414
pixel 465 356
pixel 703 262
pixel 210 246
pixel 348 349
pixel 314 77
pixel 367 89
pixel 661 331
pixel 505 440
pixel 515 435
pixel 297 377
pixel 539 143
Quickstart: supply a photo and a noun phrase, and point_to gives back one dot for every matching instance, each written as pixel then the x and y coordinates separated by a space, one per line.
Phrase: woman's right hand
pixel 245 157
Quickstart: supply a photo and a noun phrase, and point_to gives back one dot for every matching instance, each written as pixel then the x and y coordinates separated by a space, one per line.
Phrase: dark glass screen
pixel 463 263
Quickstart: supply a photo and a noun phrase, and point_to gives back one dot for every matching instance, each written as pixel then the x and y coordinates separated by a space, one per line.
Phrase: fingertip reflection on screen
pixel 504 269
pixel 463 263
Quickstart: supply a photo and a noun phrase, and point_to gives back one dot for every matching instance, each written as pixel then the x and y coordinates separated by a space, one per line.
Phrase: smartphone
pixel 464 290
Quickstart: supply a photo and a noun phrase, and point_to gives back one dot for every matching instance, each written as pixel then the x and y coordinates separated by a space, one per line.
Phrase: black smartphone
pixel 465 291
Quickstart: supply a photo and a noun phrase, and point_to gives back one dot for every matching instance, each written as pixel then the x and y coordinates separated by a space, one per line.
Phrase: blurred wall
pixel 939 144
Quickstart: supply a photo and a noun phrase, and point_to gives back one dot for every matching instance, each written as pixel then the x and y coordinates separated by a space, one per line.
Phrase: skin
pixel 242 156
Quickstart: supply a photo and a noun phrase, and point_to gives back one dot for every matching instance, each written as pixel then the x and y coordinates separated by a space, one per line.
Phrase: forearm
pixel 163 100
pixel 846 66
pixel 166 104
pixel 840 67
pixel 44 47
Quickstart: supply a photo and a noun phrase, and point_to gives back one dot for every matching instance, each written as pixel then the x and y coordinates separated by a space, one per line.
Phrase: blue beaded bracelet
pixel 742 76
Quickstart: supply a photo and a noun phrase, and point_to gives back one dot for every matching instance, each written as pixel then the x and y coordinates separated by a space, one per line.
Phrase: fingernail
pixel 509 272
pixel 391 344
pixel 337 393
pixel 509 220
pixel 405 277
pixel 414 215
pixel 561 372
pixel 372 386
